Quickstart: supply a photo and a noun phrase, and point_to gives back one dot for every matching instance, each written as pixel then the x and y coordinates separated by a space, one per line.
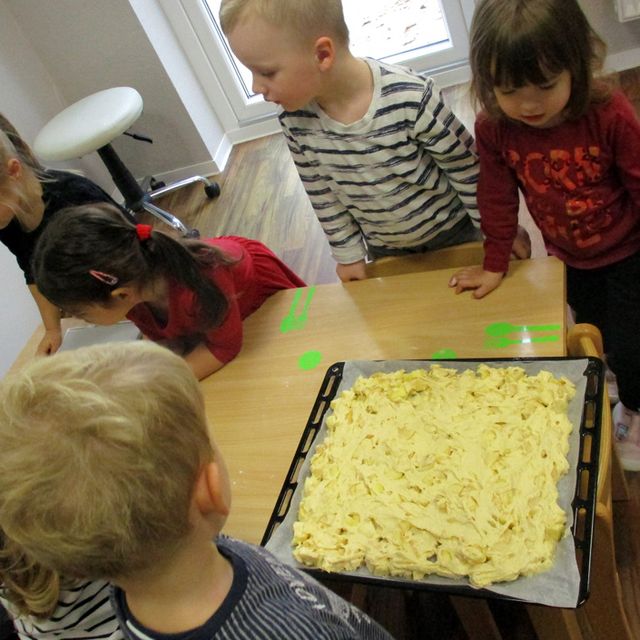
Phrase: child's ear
pixel 325 53
pixel 14 168
pixel 122 293
pixel 211 494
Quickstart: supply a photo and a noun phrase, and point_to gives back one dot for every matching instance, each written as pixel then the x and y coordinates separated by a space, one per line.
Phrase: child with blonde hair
pixel 43 605
pixel 30 196
pixel 554 131
pixel 190 294
pixel 107 471
pixel 389 169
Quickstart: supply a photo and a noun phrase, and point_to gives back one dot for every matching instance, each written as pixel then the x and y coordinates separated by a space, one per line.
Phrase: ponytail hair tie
pixel 107 278
pixel 143 231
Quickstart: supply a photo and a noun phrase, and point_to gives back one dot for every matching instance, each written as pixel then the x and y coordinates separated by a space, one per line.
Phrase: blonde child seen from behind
pixel 107 471
pixel 551 129
pixel 388 168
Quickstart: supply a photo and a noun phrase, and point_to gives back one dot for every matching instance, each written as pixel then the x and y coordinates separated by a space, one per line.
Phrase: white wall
pixel 202 110
pixel 29 98
pixel 19 315
pixel 87 46
pixel 622 38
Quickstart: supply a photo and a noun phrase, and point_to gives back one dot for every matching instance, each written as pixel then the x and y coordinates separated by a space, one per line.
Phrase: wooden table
pixel 259 404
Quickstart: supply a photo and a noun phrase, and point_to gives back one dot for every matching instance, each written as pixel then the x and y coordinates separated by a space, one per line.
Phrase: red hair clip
pixel 144 231
pixel 107 278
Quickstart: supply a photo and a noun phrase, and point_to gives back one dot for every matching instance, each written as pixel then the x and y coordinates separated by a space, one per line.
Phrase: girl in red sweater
pixel 191 295
pixel 570 144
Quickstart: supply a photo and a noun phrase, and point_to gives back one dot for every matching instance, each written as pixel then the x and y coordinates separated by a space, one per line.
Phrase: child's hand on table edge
pixel 483 282
pixel 353 271
pixel 50 342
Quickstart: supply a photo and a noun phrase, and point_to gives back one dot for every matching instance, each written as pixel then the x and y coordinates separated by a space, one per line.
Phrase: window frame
pixel 206 48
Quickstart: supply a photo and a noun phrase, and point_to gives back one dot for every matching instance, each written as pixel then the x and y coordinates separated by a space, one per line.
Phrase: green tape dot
pixel 309 360
pixel 444 354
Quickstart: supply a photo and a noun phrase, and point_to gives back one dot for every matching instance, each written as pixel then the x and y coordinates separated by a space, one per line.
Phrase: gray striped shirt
pixel 268 600
pixel 398 178
pixel 84 612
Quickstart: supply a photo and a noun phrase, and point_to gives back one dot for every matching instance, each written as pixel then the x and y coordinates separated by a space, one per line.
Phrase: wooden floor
pixel 262 198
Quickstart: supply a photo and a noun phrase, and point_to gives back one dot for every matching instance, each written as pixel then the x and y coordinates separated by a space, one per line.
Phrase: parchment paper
pixel 557 587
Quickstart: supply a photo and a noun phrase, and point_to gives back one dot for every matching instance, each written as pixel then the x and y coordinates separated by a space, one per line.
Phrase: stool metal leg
pixel 170 219
pixel 126 183
pixel 134 197
pixel 209 186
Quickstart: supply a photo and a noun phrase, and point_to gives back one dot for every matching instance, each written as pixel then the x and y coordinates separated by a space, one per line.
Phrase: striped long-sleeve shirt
pixel 84 612
pixel 401 176
pixel 268 599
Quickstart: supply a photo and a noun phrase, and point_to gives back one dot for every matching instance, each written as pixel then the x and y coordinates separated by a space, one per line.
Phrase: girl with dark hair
pixel 30 196
pixel 570 143
pixel 190 294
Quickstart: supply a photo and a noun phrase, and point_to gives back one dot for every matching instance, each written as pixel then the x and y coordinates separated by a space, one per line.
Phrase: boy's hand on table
pixel 353 271
pixel 483 282
pixel 521 248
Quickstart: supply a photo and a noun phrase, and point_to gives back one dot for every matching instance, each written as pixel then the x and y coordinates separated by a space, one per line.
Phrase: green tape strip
pixel 292 322
pixel 500 342
pixel 505 328
pixel 444 354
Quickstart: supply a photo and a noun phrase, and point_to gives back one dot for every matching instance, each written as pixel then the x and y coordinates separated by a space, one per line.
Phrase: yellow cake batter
pixel 439 472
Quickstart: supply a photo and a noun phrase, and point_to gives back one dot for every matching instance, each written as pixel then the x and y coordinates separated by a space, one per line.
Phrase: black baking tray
pixel 583 504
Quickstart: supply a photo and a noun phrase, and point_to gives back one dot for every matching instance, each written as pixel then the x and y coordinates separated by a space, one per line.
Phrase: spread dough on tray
pixel 439 472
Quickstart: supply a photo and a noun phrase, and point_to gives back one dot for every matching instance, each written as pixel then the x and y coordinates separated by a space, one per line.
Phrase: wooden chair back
pixel 603 615
pixel 604 610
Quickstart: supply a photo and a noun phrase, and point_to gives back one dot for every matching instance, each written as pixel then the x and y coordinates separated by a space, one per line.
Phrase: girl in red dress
pixel 190 294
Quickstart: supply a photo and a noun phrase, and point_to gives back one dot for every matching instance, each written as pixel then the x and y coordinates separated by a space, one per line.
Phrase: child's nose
pixel 257 85
pixel 530 103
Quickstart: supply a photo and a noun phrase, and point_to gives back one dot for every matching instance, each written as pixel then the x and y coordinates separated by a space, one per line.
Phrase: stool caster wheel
pixel 192 233
pixel 212 190
pixel 156 184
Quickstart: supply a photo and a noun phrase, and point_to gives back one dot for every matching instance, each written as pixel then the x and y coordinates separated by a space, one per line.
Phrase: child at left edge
pixel 108 472
pixel 191 295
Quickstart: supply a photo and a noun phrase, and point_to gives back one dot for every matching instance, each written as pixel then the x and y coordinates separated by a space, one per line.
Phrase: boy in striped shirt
pixel 389 169
pixel 107 472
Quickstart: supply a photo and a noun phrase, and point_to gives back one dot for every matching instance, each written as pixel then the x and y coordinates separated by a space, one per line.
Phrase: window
pixel 426 35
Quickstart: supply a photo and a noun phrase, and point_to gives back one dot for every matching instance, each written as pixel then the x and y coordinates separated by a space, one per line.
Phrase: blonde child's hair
pixel 308 18
pixel 101 448
pixel 13 146
pixel 31 588
pixel 515 42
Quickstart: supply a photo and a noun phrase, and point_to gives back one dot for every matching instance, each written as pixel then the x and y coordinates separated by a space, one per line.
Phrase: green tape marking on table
pixel 293 321
pixel 498 334
pixel 309 360
pixel 444 354
pixel 505 328
pixel 500 342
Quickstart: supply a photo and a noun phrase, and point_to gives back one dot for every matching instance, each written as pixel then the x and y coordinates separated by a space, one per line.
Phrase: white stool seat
pixel 88 124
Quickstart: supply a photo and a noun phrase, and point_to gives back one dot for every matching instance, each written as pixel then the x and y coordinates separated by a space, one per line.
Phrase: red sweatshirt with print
pixel 580 180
